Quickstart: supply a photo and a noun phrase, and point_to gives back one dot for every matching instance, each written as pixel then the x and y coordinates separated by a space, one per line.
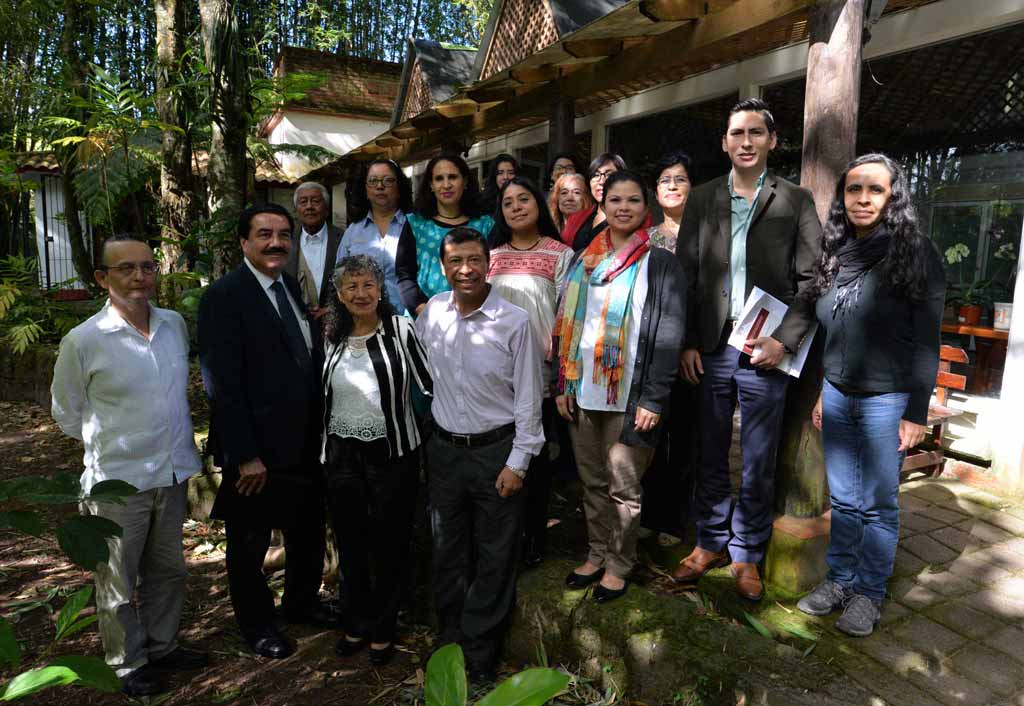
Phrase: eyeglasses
pixel 127 269
pixel 602 176
pixel 678 180
pixel 564 169
pixel 381 181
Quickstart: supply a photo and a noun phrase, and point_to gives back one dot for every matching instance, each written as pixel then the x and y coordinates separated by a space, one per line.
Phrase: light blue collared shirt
pixel 363 238
pixel 742 213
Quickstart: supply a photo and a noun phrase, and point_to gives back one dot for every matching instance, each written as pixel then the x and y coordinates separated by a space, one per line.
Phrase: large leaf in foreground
pixel 532 687
pixel 70 669
pixel 446 677
pixel 84 539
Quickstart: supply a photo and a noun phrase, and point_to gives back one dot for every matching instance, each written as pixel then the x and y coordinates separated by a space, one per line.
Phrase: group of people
pixel 456 332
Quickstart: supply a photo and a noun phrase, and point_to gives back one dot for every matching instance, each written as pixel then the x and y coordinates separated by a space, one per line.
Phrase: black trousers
pixel 371 500
pixel 248 539
pixel 669 482
pixel 538 486
pixel 475 590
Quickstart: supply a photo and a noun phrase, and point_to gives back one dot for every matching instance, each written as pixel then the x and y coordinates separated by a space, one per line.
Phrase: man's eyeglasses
pixel 602 176
pixel 381 181
pixel 678 180
pixel 127 269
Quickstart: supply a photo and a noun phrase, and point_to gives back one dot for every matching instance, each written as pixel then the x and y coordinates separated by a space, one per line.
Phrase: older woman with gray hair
pixel 370 437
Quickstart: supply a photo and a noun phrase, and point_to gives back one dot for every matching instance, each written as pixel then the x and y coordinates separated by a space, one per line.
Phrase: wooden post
pixel 796 555
pixel 561 129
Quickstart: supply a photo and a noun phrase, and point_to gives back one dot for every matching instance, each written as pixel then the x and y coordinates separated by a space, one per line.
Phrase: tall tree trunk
pixel 179 208
pixel 74 41
pixel 227 169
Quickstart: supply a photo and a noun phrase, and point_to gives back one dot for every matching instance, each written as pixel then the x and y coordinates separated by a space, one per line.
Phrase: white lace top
pixel 356 412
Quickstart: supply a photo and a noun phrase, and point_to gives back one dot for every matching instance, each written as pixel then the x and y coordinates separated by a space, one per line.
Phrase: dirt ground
pixel 35 580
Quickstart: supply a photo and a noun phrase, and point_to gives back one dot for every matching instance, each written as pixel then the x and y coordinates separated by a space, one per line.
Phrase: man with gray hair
pixel 314 247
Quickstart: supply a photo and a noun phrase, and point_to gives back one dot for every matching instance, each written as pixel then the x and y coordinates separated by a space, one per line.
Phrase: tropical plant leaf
pixel 74 605
pixel 69 669
pixel 112 490
pixel 757 625
pixel 446 677
pixel 24 521
pixel 532 687
pixel 84 539
pixel 80 625
pixel 10 650
pixel 800 632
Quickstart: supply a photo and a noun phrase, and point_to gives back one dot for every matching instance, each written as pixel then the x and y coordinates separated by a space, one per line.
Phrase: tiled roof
pixel 353 86
pixel 432 73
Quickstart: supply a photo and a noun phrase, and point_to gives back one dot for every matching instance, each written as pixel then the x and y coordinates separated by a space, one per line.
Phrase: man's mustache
pixel 275 251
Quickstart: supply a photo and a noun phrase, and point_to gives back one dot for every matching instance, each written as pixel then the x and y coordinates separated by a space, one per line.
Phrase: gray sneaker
pixel 826 597
pixel 860 616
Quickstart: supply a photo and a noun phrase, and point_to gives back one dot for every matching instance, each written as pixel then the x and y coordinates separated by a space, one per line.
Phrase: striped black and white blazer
pixel 398 360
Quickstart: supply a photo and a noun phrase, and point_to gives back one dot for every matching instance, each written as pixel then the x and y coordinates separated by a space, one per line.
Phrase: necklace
pixel 535 244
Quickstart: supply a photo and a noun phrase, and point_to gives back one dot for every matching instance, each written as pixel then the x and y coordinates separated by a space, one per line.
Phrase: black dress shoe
pixel 382 656
pixel 347 648
pixel 142 682
pixel 578 581
pixel 269 643
pixel 181 659
pixel 318 616
pixel 604 595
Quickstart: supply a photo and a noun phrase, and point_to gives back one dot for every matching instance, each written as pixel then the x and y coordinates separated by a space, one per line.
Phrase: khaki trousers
pixel 147 556
pixel 611 473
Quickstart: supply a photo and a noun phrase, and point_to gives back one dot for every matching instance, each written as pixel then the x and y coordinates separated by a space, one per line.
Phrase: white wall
pixel 56 266
pixel 337 134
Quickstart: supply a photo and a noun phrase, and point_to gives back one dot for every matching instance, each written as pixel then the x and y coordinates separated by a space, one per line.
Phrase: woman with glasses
pixel 672 185
pixel 504 169
pixel 447 197
pixel 528 266
pixel 618 334
pixel 568 196
pixel 581 228
pixel 369 448
pixel 380 210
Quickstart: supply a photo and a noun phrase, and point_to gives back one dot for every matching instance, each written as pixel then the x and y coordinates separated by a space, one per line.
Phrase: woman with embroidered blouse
pixel 447 197
pixel 528 266
pixel 370 441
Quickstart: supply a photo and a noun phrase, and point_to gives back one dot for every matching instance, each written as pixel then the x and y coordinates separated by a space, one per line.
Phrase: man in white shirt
pixel 120 386
pixel 488 387
pixel 314 247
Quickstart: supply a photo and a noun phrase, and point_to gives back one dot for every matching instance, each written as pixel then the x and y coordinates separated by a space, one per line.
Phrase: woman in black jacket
pixel 618 335
pixel 881 289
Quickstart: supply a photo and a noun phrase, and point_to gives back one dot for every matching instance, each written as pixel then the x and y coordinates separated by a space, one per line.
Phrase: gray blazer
pixel 333 241
pixel 783 249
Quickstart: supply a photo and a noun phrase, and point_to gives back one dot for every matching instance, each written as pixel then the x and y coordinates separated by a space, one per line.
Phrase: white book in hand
pixel 761 315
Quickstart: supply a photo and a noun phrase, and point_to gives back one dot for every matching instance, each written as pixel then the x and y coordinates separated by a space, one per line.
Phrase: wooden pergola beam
pixel 681 10
pixel 457 110
pixel 429 119
pixel 491 94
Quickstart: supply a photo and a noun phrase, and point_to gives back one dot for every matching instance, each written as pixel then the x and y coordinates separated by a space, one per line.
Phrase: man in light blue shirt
pixel 742 213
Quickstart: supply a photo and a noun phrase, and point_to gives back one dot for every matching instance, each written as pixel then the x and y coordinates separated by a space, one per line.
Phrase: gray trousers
pixel 147 556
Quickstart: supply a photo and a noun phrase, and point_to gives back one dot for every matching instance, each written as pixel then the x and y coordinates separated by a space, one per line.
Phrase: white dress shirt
pixel 126 397
pixel 266 283
pixel 487 371
pixel 314 249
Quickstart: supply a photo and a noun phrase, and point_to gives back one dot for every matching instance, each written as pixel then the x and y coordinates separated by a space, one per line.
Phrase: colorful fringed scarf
pixel 598 265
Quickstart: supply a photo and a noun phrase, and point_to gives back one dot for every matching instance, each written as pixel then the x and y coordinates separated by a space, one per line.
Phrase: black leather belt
pixel 470 441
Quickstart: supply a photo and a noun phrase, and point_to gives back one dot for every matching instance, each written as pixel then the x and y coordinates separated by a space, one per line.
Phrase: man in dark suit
pixel 260 366
pixel 748 228
pixel 314 247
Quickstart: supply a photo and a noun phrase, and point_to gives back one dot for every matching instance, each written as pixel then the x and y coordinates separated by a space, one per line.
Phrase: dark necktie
pixel 296 342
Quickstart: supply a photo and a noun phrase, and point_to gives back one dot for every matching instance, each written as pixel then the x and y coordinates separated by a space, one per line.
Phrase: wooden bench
pixel 930 460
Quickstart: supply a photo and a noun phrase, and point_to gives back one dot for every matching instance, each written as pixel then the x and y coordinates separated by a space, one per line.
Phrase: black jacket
pixel 264 403
pixel 783 248
pixel 657 352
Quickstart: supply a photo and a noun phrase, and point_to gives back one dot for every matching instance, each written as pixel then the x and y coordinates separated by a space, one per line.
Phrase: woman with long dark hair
pixel 503 169
pixel 379 207
pixel 369 449
pixel 447 197
pixel 528 266
pixel 618 334
pixel 881 291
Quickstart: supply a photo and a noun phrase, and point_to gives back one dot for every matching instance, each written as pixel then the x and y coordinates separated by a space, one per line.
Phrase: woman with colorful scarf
pixel 618 335
pixel 881 290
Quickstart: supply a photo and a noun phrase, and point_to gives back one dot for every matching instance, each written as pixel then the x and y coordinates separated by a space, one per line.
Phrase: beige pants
pixel 611 473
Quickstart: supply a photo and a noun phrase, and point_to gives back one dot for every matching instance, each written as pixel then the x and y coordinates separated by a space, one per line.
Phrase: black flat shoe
pixel 269 643
pixel 142 682
pixel 604 595
pixel 579 581
pixel 382 656
pixel 347 648
pixel 181 659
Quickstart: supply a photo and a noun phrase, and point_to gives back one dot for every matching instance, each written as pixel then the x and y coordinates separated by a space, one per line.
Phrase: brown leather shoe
pixel 748 581
pixel 697 564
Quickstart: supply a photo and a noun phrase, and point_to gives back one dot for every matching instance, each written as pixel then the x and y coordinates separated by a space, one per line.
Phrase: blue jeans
pixel 861 434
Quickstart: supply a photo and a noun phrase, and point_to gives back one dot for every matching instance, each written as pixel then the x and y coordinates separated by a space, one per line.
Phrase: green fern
pixel 24 335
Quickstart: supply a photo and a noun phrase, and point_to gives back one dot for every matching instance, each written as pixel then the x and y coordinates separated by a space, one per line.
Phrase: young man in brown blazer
pixel 745 229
